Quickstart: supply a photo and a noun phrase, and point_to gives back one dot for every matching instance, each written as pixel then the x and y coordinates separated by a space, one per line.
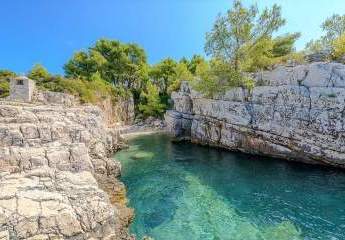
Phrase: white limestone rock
pixel 295 113
pixel 56 180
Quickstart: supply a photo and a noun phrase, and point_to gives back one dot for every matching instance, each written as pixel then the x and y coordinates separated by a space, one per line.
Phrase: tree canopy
pixel 242 41
pixel 242 29
pixel 117 63
pixel 39 73
pixel 152 105
pixel 216 77
pixel 163 73
pixel 333 28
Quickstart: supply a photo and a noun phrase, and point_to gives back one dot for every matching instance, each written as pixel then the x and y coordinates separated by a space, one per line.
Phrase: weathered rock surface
pixel 56 180
pixel 295 113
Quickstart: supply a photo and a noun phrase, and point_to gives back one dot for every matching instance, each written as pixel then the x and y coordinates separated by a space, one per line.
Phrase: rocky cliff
pixel 56 180
pixel 295 113
pixel 120 112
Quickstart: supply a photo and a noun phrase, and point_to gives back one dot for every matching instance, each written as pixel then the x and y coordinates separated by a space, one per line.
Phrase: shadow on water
pixel 271 191
pixel 177 187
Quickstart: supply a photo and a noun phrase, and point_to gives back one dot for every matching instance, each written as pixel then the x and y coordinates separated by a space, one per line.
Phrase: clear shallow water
pixel 184 191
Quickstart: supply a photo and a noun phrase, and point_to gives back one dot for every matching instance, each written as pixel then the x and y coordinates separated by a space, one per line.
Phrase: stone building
pixel 21 89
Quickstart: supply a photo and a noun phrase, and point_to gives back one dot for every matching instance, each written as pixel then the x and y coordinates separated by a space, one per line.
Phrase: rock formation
pixel 56 180
pixel 295 113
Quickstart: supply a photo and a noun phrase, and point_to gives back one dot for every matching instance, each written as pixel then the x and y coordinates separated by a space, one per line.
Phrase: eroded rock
pixel 56 180
pixel 295 113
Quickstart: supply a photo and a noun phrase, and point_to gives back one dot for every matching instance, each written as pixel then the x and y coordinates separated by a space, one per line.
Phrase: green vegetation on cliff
pixel 333 40
pixel 243 40
pixel 5 76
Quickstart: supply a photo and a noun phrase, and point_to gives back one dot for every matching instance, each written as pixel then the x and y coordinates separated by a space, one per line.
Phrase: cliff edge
pixel 295 113
pixel 56 178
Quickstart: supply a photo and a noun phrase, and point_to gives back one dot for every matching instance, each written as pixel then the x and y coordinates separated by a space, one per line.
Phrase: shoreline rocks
pixel 294 113
pixel 141 126
pixel 56 178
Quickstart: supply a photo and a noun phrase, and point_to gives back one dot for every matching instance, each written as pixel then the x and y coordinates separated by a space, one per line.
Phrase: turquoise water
pixel 184 191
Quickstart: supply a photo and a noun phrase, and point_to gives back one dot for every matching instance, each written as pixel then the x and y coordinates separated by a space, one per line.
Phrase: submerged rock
pixel 295 113
pixel 142 155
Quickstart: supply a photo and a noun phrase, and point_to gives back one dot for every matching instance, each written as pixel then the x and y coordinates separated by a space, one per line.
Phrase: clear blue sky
pixel 50 31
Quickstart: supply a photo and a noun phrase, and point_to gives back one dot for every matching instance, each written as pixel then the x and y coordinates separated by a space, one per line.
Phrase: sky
pixel 50 31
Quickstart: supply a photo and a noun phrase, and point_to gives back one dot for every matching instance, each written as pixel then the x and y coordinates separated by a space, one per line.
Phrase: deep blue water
pixel 185 191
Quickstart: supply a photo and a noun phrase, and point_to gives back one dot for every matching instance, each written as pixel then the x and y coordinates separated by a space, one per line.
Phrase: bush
pixel 38 73
pixel 151 105
pixel 91 91
pixel 297 57
pixel 181 74
pixel 5 76
pixel 338 47
pixel 4 88
pixel 217 77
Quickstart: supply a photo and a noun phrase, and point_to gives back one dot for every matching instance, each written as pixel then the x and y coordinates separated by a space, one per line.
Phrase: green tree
pixel 258 56
pixel 315 46
pixel 269 51
pixel 284 45
pixel 116 62
pixel 241 28
pixel 216 77
pixel 163 74
pixel 333 28
pixel 39 73
pixel 123 65
pixel 152 105
pixel 5 76
pixel 194 62
pixel 181 74
pixel 338 47
pixel 185 61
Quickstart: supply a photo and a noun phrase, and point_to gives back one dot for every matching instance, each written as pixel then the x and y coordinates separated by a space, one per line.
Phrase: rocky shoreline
pixel 150 125
pixel 57 180
pixel 294 113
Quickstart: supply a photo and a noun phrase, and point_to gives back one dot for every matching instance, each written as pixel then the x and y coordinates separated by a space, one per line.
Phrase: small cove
pixel 185 191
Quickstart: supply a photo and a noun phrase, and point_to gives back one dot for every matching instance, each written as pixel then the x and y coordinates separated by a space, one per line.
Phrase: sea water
pixel 185 191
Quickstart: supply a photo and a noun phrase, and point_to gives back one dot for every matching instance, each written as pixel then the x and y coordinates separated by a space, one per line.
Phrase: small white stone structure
pixel 21 89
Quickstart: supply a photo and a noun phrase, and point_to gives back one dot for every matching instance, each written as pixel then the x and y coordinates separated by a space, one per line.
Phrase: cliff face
pixel 120 112
pixel 295 113
pixel 56 180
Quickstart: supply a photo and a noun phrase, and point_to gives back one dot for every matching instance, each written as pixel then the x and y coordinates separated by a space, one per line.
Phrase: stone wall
pixel 295 113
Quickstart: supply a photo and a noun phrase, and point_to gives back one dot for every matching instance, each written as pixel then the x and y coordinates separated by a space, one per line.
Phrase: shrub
pixel 38 73
pixel 91 91
pixel 181 74
pixel 151 105
pixel 338 47
pixel 5 76
pixel 4 88
pixel 217 77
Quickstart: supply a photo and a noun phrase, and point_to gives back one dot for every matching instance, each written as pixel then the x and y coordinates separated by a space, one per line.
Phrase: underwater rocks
pixel 56 178
pixel 294 113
